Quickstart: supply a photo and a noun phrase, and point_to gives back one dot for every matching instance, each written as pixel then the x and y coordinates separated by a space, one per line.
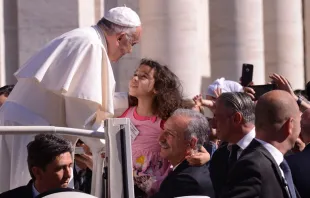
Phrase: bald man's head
pixel 277 118
pixel 305 126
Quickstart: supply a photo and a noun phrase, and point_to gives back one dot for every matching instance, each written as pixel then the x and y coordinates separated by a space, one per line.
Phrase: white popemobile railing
pixel 118 182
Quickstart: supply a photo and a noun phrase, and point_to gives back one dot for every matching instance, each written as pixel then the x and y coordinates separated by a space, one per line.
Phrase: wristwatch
pixel 299 100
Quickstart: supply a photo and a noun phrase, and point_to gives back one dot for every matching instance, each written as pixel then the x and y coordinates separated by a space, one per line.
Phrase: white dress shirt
pixel 244 142
pixel 174 167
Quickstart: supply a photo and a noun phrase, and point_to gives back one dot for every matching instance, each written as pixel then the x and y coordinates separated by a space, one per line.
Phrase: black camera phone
pixel 247 74
pixel 262 89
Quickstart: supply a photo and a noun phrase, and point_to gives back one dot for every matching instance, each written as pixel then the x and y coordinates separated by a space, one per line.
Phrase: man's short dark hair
pixel 44 149
pixel 6 90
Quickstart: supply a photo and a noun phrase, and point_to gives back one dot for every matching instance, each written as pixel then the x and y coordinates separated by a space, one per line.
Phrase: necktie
pixel 233 155
pixel 288 177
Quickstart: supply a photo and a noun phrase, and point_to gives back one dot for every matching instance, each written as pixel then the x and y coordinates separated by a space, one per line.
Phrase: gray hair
pixel 112 28
pixel 198 125
pixel 241 103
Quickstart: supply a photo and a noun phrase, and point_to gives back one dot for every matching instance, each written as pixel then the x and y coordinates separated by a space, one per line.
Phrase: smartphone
pixel 247 74
pixel 79 150
pixel 262 89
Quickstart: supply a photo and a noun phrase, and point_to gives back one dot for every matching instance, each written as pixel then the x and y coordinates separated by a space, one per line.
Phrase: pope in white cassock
pixel 67 82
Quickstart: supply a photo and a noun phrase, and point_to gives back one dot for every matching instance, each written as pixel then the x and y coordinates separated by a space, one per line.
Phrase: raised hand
pixel 282 83
pixel 249 91
pixel 198 100
pixel 217 92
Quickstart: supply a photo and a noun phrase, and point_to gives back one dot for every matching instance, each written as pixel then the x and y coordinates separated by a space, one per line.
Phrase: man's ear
pixel 193 143
pixel 37 172
pixel 288 127
pixel 120 36
pixel 237 118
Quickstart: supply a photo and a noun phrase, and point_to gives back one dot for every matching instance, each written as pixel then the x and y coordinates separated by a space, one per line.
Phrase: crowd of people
pixel 247 147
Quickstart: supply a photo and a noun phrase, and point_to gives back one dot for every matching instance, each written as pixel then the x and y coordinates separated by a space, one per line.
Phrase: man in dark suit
pixel 234 118
pixel 23 191
pixel 261 170
pixel 184 133
pixel 50 164
pixel 300 162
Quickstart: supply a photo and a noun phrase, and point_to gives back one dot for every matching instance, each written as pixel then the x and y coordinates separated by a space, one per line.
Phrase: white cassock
pixel 62 85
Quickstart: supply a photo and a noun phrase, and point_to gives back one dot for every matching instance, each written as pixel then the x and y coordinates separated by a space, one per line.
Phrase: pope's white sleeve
pixel 78 111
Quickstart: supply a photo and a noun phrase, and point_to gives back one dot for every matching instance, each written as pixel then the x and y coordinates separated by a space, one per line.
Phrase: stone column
pixel 2 54
pixel 86 12
pixel 283 33
pixel 236 34
pixel 99 9
pixel 306 11
pixel 8 41
pixel 175 32
pixel 41 21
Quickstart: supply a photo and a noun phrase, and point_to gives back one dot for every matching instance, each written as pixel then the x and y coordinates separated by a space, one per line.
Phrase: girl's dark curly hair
pixel 168 88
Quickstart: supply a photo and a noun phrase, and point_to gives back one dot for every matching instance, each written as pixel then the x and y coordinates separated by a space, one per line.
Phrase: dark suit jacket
pixel 300 168
pixel 23 192
pixel 186 180
pixel 255 174
pixel 219 168
pixel 87 177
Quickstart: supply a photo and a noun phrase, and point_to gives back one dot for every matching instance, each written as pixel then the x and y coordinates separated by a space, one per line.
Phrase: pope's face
pixel 122 44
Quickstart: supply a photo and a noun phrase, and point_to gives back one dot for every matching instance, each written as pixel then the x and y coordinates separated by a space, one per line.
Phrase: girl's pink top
pixel 149 169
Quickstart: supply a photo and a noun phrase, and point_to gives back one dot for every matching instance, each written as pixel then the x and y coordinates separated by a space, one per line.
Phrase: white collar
pixel 276 154
pixel 245 141
pixel 101 36
pixel 174 167
pixel 35 193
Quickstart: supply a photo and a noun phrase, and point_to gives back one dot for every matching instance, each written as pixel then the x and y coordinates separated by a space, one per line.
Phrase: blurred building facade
pixel 200 40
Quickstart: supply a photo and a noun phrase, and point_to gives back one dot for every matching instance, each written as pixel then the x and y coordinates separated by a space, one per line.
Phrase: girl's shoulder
pixel 130 113
pixel 125 114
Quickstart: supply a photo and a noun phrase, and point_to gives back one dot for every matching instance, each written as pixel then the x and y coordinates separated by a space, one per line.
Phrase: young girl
pixel 155 92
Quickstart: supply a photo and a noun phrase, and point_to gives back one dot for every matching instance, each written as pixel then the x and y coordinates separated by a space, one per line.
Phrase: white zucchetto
pixel 123 16
pixel 225 85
